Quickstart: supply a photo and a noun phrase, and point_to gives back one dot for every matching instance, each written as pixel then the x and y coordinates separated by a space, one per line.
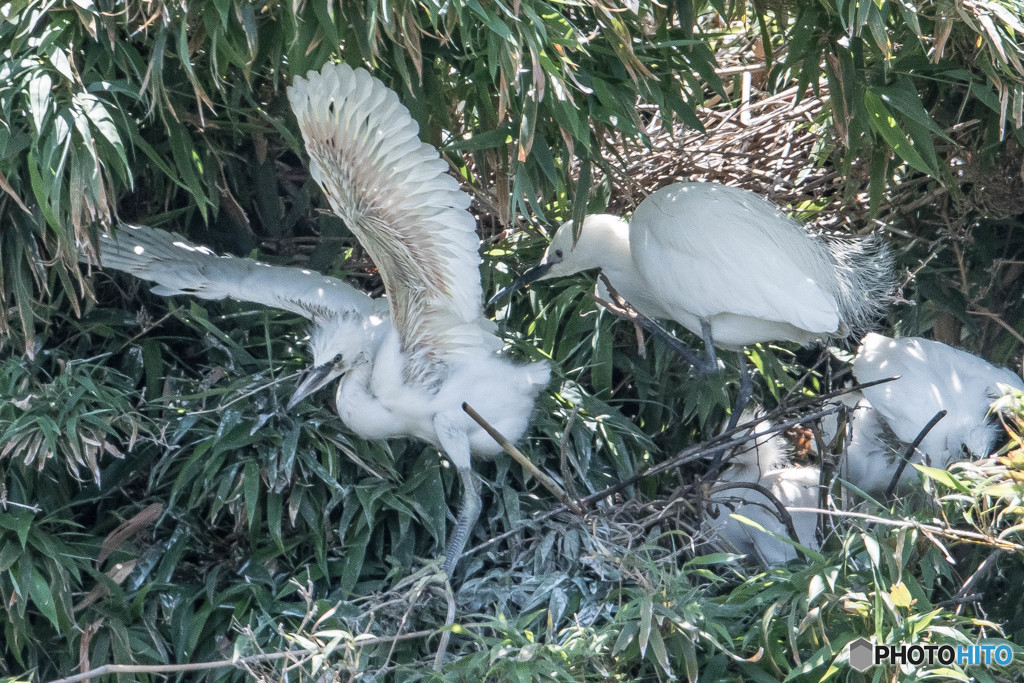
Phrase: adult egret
pixel 764 460
pixel 406 366
pixel 871 451
pixel 933 377
pixel 729 266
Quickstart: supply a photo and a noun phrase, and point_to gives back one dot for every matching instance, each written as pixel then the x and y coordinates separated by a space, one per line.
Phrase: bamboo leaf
pixel 886 125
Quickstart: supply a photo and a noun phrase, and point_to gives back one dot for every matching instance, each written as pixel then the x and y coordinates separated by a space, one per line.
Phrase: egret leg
pixel 469 512
pixel 701 365
pixel 746 390
pixel 455 443
pixel 710 359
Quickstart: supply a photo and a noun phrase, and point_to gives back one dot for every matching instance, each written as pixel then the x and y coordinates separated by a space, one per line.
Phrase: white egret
pixel 765 460
pixel 729 266
pixel 872 452
pixel 933 377
pixel 406 366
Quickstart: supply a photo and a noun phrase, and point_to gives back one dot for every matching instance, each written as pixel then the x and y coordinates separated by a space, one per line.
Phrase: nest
pixel 771 144
pixel 778 145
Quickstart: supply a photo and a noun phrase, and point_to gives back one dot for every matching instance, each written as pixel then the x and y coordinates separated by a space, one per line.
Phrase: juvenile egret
pixel 406 366
pixel 765 461
pixel 729 266
pixel 933 377
pixel 872 451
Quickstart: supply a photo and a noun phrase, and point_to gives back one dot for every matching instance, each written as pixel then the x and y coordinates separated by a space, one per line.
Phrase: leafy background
pixel 158 506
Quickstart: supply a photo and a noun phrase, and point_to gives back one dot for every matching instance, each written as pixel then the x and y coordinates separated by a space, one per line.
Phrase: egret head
pixel 602 233
pixel 763 452
pixel 339 344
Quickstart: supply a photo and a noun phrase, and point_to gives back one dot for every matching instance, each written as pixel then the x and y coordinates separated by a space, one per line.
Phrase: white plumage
pixel 765 460
pixel 726 261
pixel 933 377
pixel 393 191
pixel 872 452
pixel 730 267
pixel 407 365
pixel 181 267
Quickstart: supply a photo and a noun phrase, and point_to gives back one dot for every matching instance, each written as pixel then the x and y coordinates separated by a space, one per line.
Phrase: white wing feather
pixel 393 191
pixel 932 377
pixel 180 267
pixel 702 239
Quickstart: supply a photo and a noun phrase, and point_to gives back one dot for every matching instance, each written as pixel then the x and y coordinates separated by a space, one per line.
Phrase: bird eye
pixel 337 359
pixel 558 253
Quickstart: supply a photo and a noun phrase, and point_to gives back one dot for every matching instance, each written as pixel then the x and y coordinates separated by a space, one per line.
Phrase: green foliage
pixel 157 504
pixel 177 112
pixel 903 77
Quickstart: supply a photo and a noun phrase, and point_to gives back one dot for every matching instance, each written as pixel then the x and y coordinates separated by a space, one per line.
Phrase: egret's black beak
pixel 315 379
pixel 532 275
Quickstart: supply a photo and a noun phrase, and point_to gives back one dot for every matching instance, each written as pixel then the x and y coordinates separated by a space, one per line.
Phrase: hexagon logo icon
pixel 861 654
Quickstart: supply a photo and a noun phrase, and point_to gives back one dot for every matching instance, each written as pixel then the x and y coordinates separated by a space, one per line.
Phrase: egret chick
pixel 765 460
pixel 406 365
pixel 729 266
pixel 933 377
pixel 872 452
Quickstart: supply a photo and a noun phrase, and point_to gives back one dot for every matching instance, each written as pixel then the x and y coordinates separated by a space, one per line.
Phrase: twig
pixel 245 395
pixel 984 568
pixel 442 647
pixel 907 454
pixel 518 456
pixel 948 532
pixel 1002 323
pixel 563 448
pixel 627 311
pixel 822 357
pixel 151 326
pixel 223 663
pixel 4 504
pixel 959 601
pixel 690 454
pixel 780 510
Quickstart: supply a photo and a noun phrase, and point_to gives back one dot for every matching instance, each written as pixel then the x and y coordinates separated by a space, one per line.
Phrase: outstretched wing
pixel 393 191
pixel 180 267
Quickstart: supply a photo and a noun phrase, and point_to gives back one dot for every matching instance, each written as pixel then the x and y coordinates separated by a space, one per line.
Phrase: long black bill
pixel 315 379
pixel 532 275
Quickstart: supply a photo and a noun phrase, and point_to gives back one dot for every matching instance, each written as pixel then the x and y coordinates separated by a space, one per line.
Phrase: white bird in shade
pixel 871 451
pixel 933 377
pixel 407 365
pixel 764 460
pixel 728 266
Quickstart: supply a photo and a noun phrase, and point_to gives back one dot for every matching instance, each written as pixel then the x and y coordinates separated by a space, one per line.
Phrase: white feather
pixel 181 267
pixel 871 451
pixel 933 377
pixel 765 462
pixel 393 191
pixel 706 252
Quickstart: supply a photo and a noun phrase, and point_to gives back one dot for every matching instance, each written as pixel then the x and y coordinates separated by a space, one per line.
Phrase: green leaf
pixel 42 597
pixel 251 487
pixel 886 125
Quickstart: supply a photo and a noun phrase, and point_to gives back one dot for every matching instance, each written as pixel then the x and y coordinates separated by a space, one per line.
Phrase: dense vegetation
pixel 159 506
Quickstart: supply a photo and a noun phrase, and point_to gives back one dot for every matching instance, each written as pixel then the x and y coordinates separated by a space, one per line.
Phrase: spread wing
pixel 394 193
pixel 180 267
